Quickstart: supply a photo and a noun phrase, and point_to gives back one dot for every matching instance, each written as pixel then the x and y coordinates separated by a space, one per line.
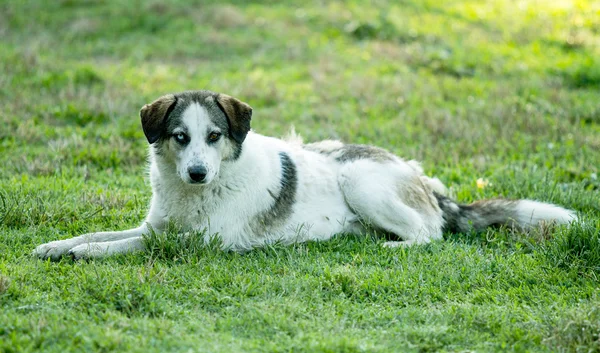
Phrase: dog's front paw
pixel 88 251
pixel 53 250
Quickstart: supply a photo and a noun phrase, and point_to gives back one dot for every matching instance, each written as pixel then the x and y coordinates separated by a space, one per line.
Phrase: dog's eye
pixel 180 137
pixel 214 136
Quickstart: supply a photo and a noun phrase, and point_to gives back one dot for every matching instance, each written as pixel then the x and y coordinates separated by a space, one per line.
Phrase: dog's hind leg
pixel 391 197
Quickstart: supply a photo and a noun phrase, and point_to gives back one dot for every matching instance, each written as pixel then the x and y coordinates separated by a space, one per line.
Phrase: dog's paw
pixel 395 244
pixel 88 251
pixel 53 250
pixel 404 243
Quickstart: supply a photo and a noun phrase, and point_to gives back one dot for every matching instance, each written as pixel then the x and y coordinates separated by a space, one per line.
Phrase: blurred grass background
pixel 507 91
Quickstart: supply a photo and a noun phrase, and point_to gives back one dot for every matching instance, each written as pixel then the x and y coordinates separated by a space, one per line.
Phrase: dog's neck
pixel 230 179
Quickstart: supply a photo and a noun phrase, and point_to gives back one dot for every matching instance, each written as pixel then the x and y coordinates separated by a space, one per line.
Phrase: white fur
pixel 331 197
pixel 243 184
pixel 531 213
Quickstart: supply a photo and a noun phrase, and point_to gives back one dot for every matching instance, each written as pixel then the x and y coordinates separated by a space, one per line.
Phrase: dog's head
pixel 195 131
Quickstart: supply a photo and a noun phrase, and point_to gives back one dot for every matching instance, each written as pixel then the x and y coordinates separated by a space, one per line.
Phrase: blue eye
pixel 180 137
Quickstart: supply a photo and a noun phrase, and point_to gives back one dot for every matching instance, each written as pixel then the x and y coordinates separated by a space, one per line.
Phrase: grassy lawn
pixel 500 90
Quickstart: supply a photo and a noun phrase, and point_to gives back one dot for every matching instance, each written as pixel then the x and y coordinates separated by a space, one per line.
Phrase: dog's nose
pixel 197 173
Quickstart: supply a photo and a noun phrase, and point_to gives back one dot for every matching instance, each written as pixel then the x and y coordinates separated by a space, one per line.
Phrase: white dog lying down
pixel 210 173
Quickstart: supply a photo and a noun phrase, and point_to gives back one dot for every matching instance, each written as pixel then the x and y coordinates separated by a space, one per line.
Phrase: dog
pixel 210 173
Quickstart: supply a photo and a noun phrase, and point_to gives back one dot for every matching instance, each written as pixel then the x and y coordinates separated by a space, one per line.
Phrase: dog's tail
pixel 482 214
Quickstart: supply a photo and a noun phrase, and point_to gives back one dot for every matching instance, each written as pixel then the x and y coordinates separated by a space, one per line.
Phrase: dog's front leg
pixel 102 249
pixel 55 249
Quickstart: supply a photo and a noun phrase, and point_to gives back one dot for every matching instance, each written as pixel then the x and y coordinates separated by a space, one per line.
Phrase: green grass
pixel 501 90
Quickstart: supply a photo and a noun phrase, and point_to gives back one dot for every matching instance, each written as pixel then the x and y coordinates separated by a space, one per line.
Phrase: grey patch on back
pixel 476 216
pixel 284 202
pixel 349 153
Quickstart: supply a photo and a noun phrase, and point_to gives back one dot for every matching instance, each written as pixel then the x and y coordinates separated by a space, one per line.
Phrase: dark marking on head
pixel 161 117
pixel 238 116
pixel 349 153
pixel 154 116
pixel 283 202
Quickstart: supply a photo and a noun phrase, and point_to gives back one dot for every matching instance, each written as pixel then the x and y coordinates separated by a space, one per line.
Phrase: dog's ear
pixel 154 116
pixel 238 115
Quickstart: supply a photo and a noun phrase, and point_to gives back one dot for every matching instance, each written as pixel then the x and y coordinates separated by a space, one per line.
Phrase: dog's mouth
pixel 186 179
pixel 198 181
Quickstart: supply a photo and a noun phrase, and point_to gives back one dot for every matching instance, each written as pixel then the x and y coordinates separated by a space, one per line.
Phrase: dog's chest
pixel 226 209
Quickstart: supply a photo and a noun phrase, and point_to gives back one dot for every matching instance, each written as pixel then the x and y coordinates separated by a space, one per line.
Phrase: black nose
pixel 197 173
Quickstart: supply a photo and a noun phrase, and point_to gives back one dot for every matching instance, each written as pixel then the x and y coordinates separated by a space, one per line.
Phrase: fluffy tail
pixel 482 214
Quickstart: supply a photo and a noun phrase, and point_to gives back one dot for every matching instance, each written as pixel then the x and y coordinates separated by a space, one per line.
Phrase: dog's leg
pixel 101 249
pixel 400 244
pixel 55 249
pixel 391 198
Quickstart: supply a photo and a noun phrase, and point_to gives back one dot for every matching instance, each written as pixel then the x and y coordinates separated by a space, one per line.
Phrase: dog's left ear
pixel 154 116
pixel 238 114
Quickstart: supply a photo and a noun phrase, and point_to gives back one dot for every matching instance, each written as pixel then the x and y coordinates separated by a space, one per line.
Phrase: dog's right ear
pixel 154 116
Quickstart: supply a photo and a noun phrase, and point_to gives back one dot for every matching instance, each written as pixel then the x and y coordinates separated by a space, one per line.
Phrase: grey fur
pixel 476 216
pixel 349 153
pixel 284 202
pixel 206 99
